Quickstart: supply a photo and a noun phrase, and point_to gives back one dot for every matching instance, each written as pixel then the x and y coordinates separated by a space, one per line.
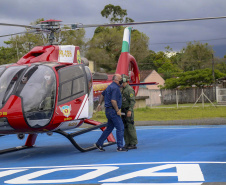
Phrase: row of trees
pixel 191 66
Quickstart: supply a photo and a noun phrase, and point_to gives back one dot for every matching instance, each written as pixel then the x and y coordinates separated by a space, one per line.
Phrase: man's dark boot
pixel 132 147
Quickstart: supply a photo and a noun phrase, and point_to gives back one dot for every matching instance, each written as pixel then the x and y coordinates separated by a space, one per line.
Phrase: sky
pixel 175 35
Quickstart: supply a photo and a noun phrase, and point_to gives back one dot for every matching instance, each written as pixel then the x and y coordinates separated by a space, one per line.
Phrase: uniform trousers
pixel 130 134
pixel 114 121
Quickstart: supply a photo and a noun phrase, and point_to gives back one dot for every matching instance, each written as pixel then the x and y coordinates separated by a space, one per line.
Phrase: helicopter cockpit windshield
pixel 37 89
pixel 36 86
pixel 8 80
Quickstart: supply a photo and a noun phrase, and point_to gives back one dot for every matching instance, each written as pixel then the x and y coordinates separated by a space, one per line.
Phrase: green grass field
pixel 171 112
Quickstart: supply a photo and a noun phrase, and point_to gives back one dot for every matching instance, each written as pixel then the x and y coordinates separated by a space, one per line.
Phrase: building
pixel 151 91
pixel 151 76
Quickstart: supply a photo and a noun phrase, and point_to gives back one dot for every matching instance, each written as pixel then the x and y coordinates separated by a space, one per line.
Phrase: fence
pixel 221 95
pixel 191 95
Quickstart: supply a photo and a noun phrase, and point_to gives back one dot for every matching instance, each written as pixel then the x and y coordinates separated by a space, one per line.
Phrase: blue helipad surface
pixel 165 155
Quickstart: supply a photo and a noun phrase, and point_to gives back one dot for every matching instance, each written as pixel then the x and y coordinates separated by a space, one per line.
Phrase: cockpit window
pixel 37 89
pixel 8 81
pixel 73 83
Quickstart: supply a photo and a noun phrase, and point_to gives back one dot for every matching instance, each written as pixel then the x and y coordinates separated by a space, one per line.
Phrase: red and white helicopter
pixel 50 89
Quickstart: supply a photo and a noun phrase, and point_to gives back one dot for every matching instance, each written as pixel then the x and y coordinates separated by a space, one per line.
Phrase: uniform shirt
pixel 112 92
pixel 128 97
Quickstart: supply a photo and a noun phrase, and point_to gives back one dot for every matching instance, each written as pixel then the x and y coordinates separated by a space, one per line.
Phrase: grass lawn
pixel 170 112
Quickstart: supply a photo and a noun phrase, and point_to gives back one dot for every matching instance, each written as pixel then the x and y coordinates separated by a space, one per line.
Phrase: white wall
pixel 154 96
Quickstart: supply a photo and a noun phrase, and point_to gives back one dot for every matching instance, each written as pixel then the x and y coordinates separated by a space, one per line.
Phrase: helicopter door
pixel 73 97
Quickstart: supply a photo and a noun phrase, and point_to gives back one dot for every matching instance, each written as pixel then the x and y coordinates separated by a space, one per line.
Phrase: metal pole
pixel 213 69
pixel 202 99
pixel 177 99
pixel 217 92
pixel 214 81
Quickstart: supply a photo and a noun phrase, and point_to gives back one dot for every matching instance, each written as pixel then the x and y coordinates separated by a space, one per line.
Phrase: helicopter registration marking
pixel 3 113
pixel 68 119
pixel 65 53
pixel 73 124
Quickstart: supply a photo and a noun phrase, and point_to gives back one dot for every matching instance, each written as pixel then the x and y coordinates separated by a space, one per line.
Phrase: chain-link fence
pixel 175 96
pixel 190 95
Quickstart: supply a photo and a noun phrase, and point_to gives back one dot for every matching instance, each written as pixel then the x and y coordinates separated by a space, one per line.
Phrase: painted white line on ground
pixel 121 164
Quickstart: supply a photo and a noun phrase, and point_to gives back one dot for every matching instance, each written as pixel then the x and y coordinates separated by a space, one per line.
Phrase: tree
pixel 148 61
pixel 139 45
pixel 74 37
pixel 221 67
pixel 199 77
pixel 105 46
pixel 115 14
pixel 25 42
pixel 7 55
pixel 196 56
pixel 19 45
pixel 161 63
pixel 220 64
pixel 165 66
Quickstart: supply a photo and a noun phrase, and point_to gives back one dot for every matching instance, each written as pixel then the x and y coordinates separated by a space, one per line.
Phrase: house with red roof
pixel 150 93
pixel 151 76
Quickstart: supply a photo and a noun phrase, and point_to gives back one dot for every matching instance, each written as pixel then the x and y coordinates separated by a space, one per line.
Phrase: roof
pixel 144 74
pixel 222 78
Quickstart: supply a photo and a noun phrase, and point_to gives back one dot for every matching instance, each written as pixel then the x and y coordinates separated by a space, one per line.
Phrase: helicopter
pixel 50 89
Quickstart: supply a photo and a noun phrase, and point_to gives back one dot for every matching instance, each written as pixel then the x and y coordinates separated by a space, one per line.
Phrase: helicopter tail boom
pixel 127 64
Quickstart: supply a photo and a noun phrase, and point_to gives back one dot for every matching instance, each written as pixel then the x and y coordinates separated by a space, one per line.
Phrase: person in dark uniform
pixel 113 101
pixel 128 102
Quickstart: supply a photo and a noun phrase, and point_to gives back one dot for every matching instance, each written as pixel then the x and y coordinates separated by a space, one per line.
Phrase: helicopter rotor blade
pixel 49 28
pixel 145 22
pixel 63 29
pixel 31 31
pixel 18 25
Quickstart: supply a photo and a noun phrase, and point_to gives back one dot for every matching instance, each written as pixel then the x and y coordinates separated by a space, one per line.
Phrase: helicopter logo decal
pixel 66 110
pixel 78 57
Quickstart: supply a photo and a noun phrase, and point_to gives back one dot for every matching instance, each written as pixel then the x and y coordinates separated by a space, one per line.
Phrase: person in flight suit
pixel 48 94
pixel 128 102
pixel 113 101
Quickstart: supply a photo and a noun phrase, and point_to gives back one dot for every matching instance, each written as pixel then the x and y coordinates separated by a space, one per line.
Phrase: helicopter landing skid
pixel 29 144
pixel 14 149
pixel 71 139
